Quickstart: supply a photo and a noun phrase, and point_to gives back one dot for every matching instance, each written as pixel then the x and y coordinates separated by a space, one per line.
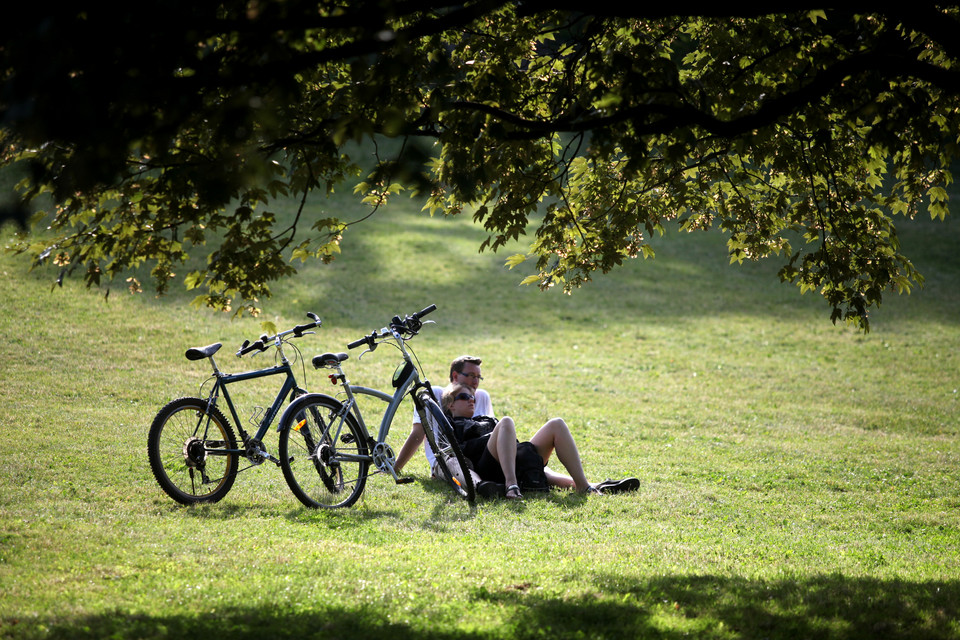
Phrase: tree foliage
pixel 166 128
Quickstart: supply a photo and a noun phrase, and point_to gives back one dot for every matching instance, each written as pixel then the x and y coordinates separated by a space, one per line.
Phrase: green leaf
pixel 268 328
pixel 194 279
pixel 515 260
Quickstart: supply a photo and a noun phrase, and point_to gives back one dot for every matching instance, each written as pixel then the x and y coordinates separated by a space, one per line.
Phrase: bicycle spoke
pixel 179 459
pixel 322 466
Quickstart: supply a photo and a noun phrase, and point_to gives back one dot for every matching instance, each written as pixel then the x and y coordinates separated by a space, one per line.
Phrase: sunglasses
pixel 464 396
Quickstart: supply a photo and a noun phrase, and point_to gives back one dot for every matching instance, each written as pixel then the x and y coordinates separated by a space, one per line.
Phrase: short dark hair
pixel 457 365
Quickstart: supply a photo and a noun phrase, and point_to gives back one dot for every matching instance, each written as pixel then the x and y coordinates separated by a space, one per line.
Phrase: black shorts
pixel 482 461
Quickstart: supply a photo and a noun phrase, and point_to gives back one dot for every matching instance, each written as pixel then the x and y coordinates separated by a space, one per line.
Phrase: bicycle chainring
pixel 255 451
pixel 383 457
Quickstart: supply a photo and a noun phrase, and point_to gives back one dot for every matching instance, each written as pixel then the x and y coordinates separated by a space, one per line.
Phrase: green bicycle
pixel 191 446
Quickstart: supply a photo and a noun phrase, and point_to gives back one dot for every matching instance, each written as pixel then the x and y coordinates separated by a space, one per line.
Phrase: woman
pixel 491 446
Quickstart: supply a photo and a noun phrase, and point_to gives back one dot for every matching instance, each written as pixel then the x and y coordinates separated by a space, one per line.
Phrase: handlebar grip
pixel 368 340
pixel 256 346
pixel 300 328
pixel 424 312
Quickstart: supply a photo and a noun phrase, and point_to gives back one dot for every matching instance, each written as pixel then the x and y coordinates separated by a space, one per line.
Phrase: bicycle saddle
pixel 199 353
pixel 328 360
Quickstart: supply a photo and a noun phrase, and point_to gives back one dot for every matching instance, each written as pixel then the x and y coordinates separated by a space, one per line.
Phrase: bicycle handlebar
pixel 263 343
pixel 246 347
pixel 411 324
pixel 364 340
pixel 420 314
pixel 300 328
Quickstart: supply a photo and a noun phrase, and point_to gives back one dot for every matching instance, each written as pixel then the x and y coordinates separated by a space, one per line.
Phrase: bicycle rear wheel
pixel 322 452
pixel 186 448
pixel 450 459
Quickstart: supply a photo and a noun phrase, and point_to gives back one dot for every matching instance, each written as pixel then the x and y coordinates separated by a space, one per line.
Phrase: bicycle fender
pixel 294 408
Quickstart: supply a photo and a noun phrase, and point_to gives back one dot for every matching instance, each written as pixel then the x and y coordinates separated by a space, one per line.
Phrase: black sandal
pixel 516 490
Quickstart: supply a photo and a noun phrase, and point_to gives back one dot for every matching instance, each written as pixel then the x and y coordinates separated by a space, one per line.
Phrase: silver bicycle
pixel 325 449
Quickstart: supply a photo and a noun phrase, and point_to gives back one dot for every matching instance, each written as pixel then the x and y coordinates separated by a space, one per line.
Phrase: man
pixel 465 370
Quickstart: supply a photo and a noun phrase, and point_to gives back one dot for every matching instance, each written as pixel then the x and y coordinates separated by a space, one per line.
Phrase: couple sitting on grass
pixel 491 445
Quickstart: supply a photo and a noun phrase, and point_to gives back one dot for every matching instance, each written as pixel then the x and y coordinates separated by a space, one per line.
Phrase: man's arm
pixel 414 440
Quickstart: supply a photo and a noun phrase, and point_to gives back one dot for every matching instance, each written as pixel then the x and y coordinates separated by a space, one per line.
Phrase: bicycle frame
pixel 408 384
pixel 393 402
pixel 225 379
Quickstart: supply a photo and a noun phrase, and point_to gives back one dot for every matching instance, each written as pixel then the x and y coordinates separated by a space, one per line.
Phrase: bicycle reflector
pixel 300 424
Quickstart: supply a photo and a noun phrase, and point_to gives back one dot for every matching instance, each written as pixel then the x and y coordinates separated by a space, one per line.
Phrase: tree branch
pixel 890 66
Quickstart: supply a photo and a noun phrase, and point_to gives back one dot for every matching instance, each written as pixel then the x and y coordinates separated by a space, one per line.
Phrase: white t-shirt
pixel 483 407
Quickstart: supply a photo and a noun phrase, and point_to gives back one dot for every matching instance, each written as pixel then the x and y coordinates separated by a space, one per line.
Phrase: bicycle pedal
pixel 405 480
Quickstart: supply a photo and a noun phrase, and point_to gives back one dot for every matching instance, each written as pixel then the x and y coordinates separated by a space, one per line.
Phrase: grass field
pixel 798 479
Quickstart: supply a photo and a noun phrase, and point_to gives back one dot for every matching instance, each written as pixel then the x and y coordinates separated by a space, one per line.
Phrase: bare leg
pixel 503 446
pixel 555 436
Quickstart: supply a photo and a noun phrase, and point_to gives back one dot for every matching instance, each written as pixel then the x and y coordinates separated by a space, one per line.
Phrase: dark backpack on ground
pixel 530 473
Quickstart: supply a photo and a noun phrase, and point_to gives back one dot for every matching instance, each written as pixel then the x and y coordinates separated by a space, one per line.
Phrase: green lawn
pixel 798 479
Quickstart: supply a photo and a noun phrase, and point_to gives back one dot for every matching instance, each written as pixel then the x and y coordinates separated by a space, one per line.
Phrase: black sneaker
pixel 488 489
pixel 619 486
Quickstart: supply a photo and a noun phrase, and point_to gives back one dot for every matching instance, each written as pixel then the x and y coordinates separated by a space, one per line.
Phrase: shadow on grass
pixel 443 515
pixel 660 607
pixel 447 511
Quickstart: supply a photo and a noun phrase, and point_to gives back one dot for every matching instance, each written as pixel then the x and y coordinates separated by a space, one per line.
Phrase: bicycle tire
pixel 323 453
pixel 439 433
pixel 182 435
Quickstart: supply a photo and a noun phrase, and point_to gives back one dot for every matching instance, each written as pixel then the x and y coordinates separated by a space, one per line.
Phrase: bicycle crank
pixel 256 453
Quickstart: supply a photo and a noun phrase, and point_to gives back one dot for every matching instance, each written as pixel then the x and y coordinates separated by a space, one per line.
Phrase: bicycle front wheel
pixel 323 453
pixel 187 448
pixel 450 459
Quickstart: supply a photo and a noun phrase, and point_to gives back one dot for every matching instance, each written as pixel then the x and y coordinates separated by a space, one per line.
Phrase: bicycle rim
pixel 183 447
pixel 450 459
pixel 323 453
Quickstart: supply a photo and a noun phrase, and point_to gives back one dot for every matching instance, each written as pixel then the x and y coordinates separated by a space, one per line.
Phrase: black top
pixel 470 428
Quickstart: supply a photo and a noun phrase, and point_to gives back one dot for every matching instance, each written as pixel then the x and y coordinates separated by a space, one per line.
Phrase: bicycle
pixel 325 447
pixel 191 446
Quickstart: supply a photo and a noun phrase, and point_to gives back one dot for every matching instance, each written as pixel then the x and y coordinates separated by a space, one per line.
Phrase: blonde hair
pixel 450 393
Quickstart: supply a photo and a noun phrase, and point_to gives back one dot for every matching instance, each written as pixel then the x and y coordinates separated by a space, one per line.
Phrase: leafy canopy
pixel 168 128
